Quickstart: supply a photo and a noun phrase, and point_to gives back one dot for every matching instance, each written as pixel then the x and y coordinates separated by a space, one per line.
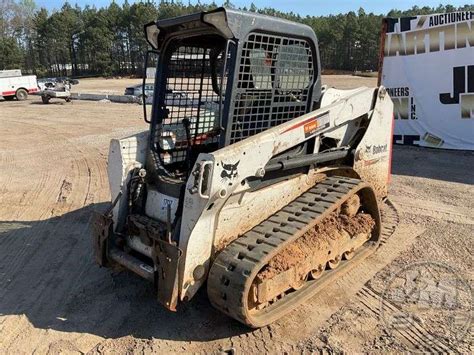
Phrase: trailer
pixel 14 85
pixel 60 91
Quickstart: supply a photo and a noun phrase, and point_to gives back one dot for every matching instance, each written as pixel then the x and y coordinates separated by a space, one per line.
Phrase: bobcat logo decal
pixel 230 170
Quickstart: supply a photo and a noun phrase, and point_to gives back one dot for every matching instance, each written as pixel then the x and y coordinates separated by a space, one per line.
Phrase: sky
pixel 302 7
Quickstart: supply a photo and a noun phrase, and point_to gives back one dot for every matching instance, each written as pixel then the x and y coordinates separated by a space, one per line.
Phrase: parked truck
pixel 14 85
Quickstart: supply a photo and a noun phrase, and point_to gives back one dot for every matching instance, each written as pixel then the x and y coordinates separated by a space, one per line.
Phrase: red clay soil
pixel 317 239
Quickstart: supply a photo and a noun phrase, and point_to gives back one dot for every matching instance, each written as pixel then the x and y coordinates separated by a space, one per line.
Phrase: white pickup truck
pixel 13 84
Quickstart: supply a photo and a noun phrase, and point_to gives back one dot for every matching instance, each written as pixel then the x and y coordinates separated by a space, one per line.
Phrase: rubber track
pixel 234 269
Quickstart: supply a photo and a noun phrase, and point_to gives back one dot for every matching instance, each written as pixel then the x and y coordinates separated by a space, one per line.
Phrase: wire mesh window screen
pixel 275 75
pixel 193 82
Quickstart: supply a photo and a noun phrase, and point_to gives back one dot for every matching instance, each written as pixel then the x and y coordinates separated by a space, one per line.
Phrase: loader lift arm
pixel 332 120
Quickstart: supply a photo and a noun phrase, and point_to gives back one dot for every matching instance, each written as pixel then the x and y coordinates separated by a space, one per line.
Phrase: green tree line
pixel 109 40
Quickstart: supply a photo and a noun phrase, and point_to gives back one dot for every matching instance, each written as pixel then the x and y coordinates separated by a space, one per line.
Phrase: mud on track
pixel 53 298
pixel 317 240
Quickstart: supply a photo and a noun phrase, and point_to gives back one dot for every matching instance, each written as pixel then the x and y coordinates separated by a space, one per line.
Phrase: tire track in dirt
pixel 7 165
pixel 434 209
pixel 24 159
pixel 414 335
pixel 55 193
pixel 43 190
pixel 12 262
pixel 12 171
pixel 78 228
pixel 391 220
pixel 66 257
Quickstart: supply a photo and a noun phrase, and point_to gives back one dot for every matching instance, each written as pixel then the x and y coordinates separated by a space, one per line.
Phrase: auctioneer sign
pixel 428 70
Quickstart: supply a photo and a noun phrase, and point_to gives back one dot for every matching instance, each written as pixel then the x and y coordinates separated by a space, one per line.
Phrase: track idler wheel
pixel 316 273
pixel 348 255
pixel 334 263
pixel 296 285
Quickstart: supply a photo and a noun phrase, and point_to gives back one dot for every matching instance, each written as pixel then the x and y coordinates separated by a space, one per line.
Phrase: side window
pixel 293 67
pixel 260 68
pixel 274 78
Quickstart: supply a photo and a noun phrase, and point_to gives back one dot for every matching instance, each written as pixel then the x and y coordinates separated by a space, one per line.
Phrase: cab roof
pixel 231 24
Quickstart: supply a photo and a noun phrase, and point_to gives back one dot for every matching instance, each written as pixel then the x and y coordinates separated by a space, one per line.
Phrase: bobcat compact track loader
pixel 254 178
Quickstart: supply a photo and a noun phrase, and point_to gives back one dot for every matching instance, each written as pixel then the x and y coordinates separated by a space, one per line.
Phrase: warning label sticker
pixel 317 124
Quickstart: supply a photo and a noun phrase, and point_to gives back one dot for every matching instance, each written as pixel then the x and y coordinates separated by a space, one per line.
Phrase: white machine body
pixel 217 210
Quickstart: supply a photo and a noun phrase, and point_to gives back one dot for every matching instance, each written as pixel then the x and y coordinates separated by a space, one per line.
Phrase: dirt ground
pixel 117 86
pixel 54 299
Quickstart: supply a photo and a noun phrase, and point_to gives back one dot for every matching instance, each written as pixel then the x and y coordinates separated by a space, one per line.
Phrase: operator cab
pixel 237 74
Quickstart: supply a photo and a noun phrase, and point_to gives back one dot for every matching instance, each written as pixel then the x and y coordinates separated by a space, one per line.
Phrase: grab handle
pixel 203 173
